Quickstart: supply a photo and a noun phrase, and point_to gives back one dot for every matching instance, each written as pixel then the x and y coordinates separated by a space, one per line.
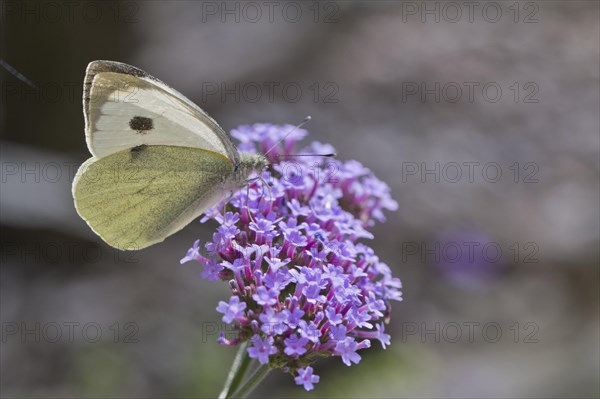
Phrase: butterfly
pixel 158 160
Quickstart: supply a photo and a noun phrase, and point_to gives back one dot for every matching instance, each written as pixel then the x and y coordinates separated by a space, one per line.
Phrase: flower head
pixel 303 286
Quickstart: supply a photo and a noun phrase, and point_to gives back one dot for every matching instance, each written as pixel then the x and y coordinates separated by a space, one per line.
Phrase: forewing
pixel 125 107
pixel 135 198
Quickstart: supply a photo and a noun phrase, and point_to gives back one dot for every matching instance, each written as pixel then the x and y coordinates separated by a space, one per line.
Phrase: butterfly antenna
pixel 17 74
pixel 298 126
pixel 330 155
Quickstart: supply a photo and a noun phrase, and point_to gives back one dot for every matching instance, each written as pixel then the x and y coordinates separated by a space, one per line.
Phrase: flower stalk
pixel 239 367
pixel 252 382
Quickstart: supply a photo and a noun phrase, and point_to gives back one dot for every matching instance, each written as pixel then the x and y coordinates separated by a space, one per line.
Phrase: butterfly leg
pixel 248 199
pixel 268 187
pixel 229 197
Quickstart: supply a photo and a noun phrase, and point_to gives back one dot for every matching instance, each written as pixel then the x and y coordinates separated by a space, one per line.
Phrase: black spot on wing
pixel 137 149
pixel 141 124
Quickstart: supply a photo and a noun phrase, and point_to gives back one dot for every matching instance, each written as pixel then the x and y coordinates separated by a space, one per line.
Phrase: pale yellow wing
pixel 137 197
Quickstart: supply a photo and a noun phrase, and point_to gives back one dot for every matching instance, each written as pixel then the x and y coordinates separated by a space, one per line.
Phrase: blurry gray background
pixel 367 73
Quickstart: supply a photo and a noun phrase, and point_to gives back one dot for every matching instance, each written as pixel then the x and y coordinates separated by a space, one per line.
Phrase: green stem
pixel 259 374
pixel 237 372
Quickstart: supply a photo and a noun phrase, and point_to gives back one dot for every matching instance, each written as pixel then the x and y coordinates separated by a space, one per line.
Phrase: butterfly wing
pixel 137 197
pixel 124 107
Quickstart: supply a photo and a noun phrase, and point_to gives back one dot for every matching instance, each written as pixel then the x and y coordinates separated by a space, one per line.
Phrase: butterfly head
pixel 252 163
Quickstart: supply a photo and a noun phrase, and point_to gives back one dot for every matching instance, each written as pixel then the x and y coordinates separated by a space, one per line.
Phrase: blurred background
pixel 483 119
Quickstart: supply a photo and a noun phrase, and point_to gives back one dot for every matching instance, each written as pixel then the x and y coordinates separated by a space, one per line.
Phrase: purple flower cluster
pixel 302 285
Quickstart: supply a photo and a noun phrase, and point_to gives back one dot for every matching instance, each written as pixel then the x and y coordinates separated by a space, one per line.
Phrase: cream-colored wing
pixel 124 107
pixel 137 197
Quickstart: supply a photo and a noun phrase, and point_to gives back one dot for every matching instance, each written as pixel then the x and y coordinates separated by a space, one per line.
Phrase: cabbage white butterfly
pixel 159 161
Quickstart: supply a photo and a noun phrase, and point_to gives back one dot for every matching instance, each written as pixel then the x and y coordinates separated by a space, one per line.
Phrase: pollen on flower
pixel 302 284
